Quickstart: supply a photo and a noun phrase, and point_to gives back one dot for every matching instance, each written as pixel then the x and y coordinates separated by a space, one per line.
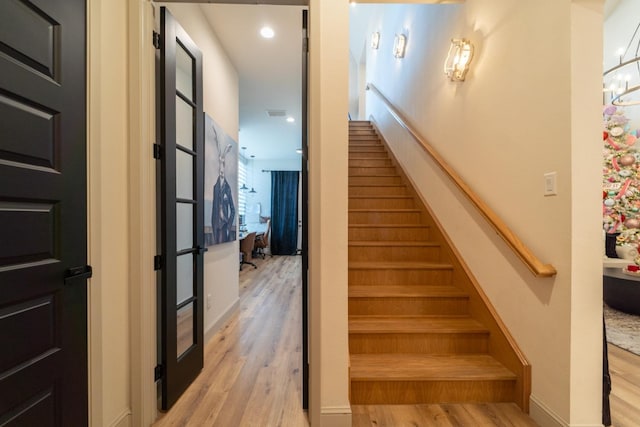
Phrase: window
pixel 242 195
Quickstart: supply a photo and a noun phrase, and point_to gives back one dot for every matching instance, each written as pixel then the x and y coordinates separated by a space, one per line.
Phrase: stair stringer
pixel 502 345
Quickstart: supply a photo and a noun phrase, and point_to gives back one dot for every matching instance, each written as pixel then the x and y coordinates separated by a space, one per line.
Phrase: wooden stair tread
pixel 374 197
pixel 377 175
pixel 393 243
pixel 424 367
pixel 366 225
pixel 400 265
pixel 385 210
pixel 377 185
pixel 414 291
pixel 367 324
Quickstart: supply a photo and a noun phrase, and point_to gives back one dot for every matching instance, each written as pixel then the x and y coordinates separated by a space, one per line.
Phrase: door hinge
pixel 157 151
pixel 156 40
pixel 157 262
pixel 158 372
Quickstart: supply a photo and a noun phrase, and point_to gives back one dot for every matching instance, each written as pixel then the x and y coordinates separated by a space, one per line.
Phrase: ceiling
pixel 269 71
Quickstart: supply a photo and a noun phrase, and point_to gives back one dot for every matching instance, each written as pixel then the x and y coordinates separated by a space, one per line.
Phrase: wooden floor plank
pixel 624 368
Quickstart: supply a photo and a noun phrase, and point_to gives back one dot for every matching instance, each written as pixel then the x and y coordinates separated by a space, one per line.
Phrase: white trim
pixel 94 288
pixel 142 213
pixel 222 319
pixel 543 415
pixel 124 420
pixel 335 416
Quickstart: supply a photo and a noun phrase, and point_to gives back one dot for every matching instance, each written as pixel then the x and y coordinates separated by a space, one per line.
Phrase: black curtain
pixel 284 212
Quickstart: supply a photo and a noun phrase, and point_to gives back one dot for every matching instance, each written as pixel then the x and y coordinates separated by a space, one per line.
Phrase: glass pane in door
pixel 185 320
pixel 184 226
pixel 184 72
pixel 184 286
pixel 184 175
pixel 184 123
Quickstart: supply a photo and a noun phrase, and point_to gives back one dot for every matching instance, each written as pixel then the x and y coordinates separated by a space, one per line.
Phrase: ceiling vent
pixel 276 113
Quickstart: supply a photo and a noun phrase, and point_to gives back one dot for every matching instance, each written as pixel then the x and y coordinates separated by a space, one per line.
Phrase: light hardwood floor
pixel 624 368
pixel 252 373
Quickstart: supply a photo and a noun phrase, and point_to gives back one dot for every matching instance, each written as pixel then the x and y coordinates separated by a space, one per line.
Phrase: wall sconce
pixel 375 40
pixel 399 45
pixel 458 59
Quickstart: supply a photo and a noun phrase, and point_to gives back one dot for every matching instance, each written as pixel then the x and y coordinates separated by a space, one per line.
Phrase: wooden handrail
pixel 520 249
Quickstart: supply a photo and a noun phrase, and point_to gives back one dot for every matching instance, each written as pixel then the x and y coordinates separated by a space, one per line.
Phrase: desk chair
pixel 246 247
pixel 262 241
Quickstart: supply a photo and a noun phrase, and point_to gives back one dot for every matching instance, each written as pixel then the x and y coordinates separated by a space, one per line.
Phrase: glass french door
pixel 181 209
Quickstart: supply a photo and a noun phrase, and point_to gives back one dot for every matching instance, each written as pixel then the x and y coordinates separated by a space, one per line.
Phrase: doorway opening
pixel 242 90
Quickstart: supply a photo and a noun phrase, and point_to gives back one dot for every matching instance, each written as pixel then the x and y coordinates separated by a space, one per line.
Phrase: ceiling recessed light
pixel 267 32
pixel 290 119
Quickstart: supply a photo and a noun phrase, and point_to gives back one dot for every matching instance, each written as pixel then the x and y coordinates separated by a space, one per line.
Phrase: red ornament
pixel 604 194
pixel 605 135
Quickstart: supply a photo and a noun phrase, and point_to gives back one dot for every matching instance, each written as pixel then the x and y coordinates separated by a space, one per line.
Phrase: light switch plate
pixel 550 185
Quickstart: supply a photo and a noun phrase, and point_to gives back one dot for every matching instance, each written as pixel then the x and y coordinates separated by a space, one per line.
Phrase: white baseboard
pixel 124 420
pixel 221 320
pixel 335 416
pixel 543 415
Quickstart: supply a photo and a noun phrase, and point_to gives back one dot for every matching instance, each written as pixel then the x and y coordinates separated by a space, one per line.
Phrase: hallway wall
pixel 524 110
pixel 108 144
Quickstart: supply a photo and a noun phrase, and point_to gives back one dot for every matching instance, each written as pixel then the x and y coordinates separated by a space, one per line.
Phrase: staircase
pixel 420 330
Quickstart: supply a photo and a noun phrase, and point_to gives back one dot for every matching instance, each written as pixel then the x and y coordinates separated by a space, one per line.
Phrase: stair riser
pixel 374 217
pixel 368 171
pixel 372 138
pixel 406 277
pixel 358 149
pixel 398 203
pixel 413 392
pixel 449 306
pixel 362 131
pixel 388 233
pixel 374 180
pixel 368 154
pixel 418 343
pixel 369 163
pixel 394 253
pixel 365 146
pixel 395 190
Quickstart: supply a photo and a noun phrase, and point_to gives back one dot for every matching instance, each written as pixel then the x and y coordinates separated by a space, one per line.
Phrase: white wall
pixel 221 103
pixel 524 110
pixel 328 177
pixel 108 213
pixel 354 78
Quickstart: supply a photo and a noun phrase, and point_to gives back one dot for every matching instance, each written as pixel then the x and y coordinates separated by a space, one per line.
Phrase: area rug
pixel 623 330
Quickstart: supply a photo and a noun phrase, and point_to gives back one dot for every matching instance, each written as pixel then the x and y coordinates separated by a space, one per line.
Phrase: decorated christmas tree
pixel 621 179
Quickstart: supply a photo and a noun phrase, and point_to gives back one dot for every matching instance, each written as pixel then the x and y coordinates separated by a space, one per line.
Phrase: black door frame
pixel 305 209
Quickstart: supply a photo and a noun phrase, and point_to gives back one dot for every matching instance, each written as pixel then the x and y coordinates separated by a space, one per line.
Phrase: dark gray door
pixel 181 216
pixel 43 227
